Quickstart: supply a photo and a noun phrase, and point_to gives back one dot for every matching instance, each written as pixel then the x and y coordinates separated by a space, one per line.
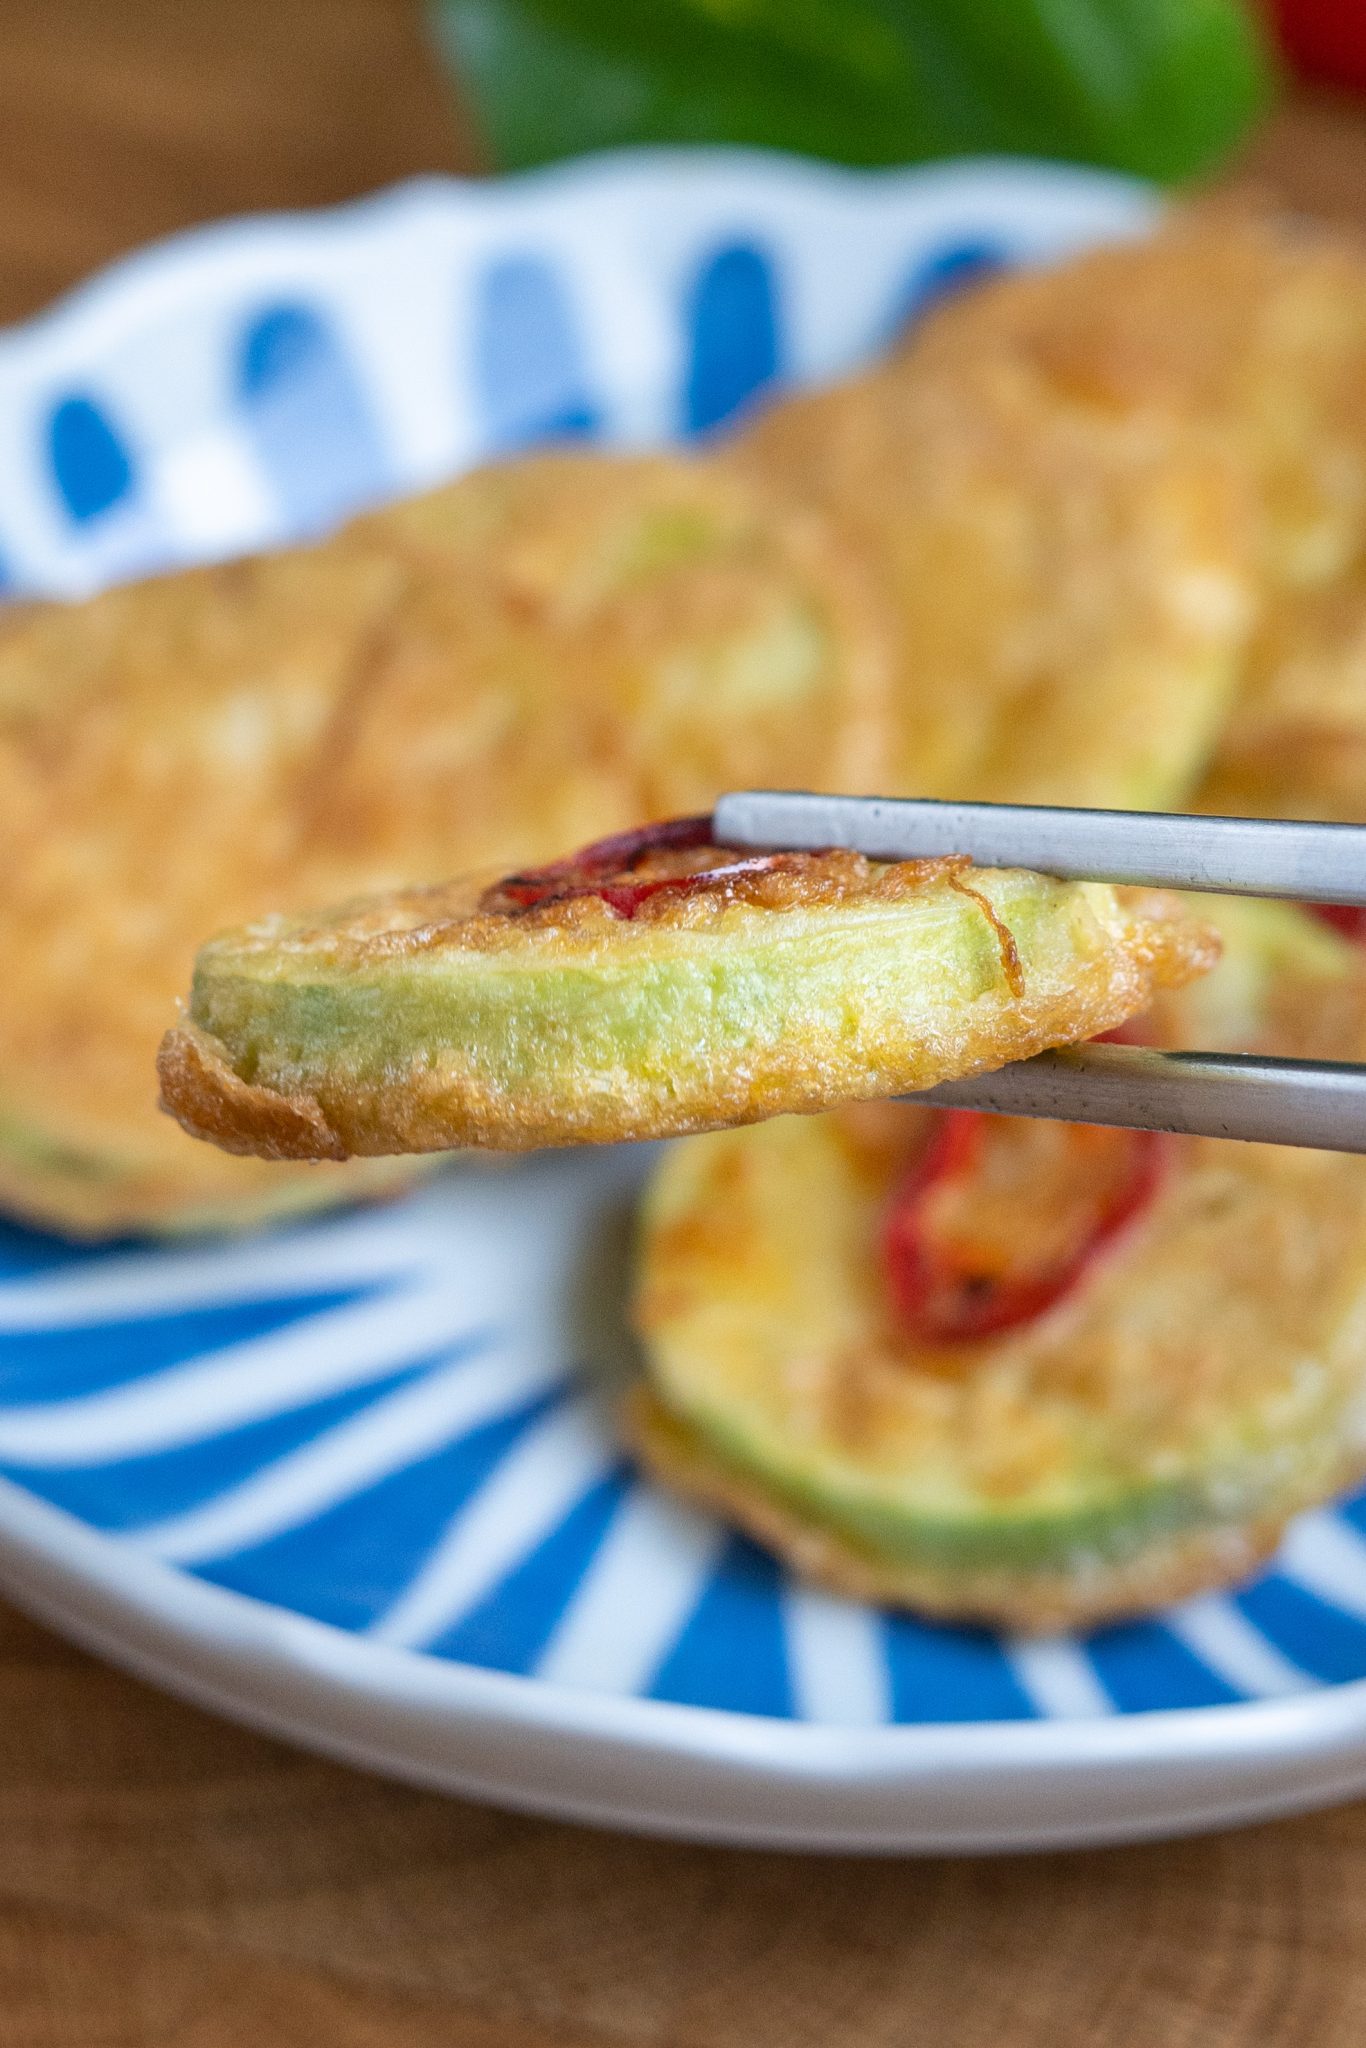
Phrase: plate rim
pixel 123 290
pixel 1128 1776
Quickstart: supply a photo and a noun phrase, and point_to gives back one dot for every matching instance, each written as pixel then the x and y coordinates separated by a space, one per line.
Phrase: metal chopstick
pixel 1219 1095
pixel 1206 1094
pixel 1230 856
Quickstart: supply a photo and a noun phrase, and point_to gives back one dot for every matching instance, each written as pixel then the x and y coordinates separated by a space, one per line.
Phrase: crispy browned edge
pixel 210 1101
pixel 1029 1600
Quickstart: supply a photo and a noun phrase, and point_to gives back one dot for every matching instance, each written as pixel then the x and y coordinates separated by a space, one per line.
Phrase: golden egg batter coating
pixel 506 667
pixel 1146 1435
pixel 1067 551
pixel 1247 327
pixel 587 640
pixel 1253 332
pixel 658 986
pixel 1294 745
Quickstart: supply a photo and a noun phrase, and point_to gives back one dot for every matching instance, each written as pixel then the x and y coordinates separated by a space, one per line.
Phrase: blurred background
pixel 122 123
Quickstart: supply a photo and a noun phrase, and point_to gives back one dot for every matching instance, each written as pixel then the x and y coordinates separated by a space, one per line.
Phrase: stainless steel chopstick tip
pixel 1315 1103
pixel 1234 856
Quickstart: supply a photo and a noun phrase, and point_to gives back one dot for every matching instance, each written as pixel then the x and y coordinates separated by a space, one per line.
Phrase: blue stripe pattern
pixel 733 355
pixel 951 269
pixel 65 1363
pixel 129 1493
pixel 308 418
pixel 950 1674
pixel 91 467
pixel 24 1252
pixel 1354 1514
pixel 349 1565
pixel 1143 1666
pixel 732 1652
pixel 1317 1637
pixel 511 1625
pixel 530 372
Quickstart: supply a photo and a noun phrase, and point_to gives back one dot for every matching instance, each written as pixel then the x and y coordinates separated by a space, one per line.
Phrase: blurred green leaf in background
pixel 1163 88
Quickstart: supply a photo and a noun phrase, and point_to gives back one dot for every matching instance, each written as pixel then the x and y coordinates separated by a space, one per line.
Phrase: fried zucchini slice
pixel 1143 1434
pixel 1294 745
pixel 1247 326
pixel 1265 360
pixel 651 985
pixel 1068 554
pixel 503 668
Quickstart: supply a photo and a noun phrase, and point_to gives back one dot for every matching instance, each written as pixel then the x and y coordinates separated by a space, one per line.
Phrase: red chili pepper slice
pixel 607 867
pixel 1347 918
pixel 1001 1217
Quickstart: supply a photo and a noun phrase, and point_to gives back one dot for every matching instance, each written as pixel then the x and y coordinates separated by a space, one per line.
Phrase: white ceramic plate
pixel 355 1482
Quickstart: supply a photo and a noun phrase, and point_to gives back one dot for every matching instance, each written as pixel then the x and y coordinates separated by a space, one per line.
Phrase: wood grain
pixel 122 122
pixel 166 1878
pixel 169 1878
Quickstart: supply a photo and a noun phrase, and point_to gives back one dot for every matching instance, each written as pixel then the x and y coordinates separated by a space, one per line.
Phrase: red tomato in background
pixel 1324 39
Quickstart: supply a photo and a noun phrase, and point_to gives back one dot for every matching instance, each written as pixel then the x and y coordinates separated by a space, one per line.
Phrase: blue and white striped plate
pixel 357 1481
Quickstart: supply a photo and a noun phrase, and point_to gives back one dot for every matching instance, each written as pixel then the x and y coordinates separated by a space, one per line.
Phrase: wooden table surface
pixel 167 1878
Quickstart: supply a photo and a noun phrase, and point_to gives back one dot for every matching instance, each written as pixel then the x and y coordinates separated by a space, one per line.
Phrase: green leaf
pixel 1162 88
